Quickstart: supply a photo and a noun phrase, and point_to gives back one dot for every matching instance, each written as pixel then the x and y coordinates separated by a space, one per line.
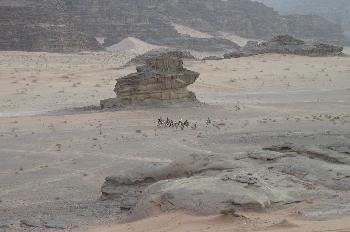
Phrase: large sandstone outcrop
pixel 256 180
pixel 161 81
pixel 142 59
pixel 285 44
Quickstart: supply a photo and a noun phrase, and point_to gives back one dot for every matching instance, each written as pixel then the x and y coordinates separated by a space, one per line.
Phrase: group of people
pixel 174 124
pixel 179 124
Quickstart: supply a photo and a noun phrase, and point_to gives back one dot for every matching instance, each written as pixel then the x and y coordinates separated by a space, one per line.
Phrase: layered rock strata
pixel 142 59
pixel 161 81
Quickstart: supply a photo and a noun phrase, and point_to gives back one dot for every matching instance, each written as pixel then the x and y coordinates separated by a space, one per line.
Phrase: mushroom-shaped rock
pixel 161 81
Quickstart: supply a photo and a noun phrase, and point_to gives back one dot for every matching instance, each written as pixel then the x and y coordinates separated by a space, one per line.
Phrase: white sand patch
pixel 133 46
pixel 201 55
pixel 241 41
pixel 190 31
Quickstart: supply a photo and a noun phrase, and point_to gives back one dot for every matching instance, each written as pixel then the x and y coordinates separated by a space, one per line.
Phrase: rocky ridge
pixel 286 44
pixel 161 81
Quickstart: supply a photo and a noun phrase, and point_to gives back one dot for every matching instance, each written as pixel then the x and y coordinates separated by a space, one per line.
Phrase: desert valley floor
pixel 56 146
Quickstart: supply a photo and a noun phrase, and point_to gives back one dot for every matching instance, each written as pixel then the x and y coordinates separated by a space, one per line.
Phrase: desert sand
pixel 181 222
pixel 56 146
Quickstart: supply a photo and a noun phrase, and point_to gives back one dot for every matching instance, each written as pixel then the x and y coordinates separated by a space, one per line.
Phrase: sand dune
pixel 241 41
pixel 190 31
pixel 132 46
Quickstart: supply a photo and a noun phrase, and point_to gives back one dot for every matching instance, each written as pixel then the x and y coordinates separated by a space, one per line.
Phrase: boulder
pixel 161 81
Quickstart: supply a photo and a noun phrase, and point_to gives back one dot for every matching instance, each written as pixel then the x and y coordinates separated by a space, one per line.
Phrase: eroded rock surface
pixel 257 180
pixel 161 81
pixel 142 59
pixel 285 44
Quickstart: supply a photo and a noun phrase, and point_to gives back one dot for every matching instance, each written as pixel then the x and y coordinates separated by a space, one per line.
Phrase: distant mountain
pixel 337 11
pixel 40 25
pixel 70 25
pixel 251 20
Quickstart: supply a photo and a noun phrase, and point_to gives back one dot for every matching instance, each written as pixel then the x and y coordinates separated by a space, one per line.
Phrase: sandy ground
pixel 56 81
pixel 182 222
pixel 55 153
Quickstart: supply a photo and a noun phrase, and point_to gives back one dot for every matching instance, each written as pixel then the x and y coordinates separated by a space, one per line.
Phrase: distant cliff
pixel 250 19
pixel 337 11
pixel 71 25
pixel 40 26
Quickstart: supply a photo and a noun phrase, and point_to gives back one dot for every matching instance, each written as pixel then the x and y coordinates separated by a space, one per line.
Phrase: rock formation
pixel 256 180
pixel 161 81
pixel 285 44
pixel 142 59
